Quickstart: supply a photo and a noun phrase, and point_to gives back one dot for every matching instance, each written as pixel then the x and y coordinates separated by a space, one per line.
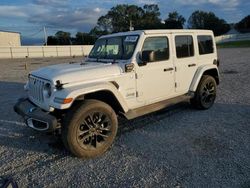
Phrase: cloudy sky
pixel 30 16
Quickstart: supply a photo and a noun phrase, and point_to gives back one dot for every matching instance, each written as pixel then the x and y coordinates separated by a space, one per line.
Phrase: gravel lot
pixel 176 147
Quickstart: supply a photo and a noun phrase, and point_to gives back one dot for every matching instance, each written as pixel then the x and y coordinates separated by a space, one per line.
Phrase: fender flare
pixel 81 90
pixel 199 73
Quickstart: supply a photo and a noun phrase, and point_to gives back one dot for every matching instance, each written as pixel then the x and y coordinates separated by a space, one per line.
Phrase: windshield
pixel 121 47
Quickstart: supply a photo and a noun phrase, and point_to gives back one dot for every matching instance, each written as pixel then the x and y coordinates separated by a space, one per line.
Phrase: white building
pixel 8 38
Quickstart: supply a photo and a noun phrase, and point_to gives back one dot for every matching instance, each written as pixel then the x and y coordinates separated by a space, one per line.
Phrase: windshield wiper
pixel 97 61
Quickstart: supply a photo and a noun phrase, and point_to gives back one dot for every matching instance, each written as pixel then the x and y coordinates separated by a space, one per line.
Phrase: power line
pixel 34 34
pixel 22 28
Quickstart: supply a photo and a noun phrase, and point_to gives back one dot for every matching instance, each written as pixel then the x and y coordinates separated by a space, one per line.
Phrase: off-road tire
pixel 78 120
pixel 205 94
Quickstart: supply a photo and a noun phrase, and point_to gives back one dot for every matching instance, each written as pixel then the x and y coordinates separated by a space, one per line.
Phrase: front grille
pixel 36 89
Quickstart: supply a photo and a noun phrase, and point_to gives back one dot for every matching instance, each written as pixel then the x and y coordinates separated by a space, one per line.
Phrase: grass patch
pixel 235 44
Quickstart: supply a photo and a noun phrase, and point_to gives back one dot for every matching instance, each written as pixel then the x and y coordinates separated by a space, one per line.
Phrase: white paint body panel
pixel 184 73
pixel 199 72
pixel 142 86
pixel 152 83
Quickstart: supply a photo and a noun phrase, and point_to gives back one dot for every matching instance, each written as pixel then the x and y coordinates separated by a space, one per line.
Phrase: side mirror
pixel 147 56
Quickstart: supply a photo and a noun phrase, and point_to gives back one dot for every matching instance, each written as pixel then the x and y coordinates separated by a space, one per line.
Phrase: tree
pixel 104 23
pixel 63 38
pixel 151 17
pixel 84 39
pixel 134 16
pixel 244 25
pixel 52 40
pixel 120 18
pixel 208 20
pixel 174 21
pixel 96 32
pixel 122 15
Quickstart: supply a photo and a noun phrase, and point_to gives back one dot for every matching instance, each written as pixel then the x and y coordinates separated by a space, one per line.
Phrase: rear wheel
pixel 89 129
pixel 205 94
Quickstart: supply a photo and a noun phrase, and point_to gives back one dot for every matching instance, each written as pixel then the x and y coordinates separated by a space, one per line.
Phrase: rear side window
pixel 184 46
pixel 205 44
pixel 159 45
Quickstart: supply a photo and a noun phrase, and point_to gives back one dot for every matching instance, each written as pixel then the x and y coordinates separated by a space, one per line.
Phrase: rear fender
pixel 200 72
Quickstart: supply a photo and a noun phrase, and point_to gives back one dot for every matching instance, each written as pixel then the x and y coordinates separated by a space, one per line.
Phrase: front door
pixel 155 80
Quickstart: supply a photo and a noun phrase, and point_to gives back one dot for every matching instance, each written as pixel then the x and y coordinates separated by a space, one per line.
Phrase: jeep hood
pixel 78 72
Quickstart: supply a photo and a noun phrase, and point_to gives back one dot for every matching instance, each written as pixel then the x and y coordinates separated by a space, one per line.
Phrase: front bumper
pixel 35 117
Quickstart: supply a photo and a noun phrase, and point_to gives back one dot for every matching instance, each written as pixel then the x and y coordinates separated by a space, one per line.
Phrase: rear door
pixel 185 61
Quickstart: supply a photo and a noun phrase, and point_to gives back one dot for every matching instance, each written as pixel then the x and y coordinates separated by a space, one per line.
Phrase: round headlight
pixel 47 90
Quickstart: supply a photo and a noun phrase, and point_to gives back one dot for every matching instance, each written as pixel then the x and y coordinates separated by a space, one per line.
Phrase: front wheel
pixel 205 94
pixel 89 129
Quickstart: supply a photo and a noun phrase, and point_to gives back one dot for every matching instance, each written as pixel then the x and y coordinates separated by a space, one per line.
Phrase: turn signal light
pixel 63 101
pixel 66 101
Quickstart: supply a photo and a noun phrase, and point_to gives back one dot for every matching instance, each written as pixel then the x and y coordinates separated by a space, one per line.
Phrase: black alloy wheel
pixel 89 128
pixel 94 130
pixel 205 94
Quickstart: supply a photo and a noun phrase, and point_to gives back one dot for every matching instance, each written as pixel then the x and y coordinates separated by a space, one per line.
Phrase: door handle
pixel 191 65
pixel 168 69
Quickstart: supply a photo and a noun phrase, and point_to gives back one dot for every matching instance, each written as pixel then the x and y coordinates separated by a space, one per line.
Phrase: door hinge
pixel 138 94
pixel 175 68
pixel 136 76
pixel 175 85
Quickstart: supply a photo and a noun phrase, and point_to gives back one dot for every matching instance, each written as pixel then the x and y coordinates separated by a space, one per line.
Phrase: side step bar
pixel 131 114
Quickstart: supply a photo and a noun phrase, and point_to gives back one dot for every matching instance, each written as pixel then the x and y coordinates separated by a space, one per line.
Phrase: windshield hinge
pixel 137 94
pixel 136 76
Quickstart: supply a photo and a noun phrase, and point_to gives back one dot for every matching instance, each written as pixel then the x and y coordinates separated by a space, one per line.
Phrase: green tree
pixel 96 32
pixel 120 18
pixel 134 16
pixel 104 23
pixel 84 39
pixel 208 20
pixel 52 40
pixel 151 18
pixel 122 15
pixel 60 38
pixel 174 21
pixel 63 38
pixel 244 25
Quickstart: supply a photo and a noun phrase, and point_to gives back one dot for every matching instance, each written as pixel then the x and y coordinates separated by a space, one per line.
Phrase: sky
pixel 30 16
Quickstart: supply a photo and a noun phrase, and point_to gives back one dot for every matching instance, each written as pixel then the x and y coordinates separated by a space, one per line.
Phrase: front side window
pixel 121 47
pixel 159 45
pixel 184 46
pixel 205 44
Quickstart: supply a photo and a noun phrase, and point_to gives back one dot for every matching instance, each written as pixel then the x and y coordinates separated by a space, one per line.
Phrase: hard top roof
pixel 158 31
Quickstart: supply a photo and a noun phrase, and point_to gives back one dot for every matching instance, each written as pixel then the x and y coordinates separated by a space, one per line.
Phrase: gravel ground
pixel 176 147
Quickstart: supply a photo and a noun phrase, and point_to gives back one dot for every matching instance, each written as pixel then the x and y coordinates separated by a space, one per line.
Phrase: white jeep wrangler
pixel 128 74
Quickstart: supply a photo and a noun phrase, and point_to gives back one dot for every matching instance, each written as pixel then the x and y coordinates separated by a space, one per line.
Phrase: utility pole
pixel 131 28
pixel 45 35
